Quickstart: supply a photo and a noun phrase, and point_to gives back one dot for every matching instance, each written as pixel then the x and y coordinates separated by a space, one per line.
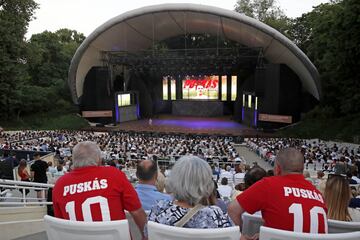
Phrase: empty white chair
pixel 251 224
pixel 159 231
pixel 60 229
pixel 239 178
pixel 342 226
pixel 276 234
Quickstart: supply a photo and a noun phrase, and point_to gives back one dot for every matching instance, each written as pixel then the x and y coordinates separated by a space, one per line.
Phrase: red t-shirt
pixel 94 194
pixel 287 202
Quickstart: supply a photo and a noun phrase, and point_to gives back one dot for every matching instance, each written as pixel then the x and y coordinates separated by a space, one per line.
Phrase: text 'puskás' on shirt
pixel 302 193
pixel 85 186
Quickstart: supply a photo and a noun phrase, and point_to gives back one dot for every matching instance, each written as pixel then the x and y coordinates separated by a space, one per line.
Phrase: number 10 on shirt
pixel 86 211
pixel 297 210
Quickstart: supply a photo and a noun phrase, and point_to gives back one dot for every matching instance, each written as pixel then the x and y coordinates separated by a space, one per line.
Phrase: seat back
pixel 251 224
pixel 134 229
pixel 342 227
pixel 159 231
pixel 60 229
pixel 276 234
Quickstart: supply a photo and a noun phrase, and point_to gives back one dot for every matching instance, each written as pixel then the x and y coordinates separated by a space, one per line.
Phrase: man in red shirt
pixel 287 201
pixel 94 193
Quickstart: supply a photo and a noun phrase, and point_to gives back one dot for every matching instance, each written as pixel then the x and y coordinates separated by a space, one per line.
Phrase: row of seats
pixel 253 223
pixel 58 229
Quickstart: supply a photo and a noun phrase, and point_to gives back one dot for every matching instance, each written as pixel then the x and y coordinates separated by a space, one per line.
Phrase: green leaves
pixel 33 74
pixel 334 46
pixel 266 11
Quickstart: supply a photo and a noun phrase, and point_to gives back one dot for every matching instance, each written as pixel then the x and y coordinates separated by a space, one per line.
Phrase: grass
pixel 46 121
pixel 345 129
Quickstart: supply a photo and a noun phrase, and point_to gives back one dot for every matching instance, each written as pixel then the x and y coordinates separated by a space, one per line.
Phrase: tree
pixel 48 59
pixel 266 11
pixel 259 9
pixel 330 36
pixel 15 16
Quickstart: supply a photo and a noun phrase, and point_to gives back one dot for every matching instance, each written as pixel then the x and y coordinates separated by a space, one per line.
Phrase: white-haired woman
pixel 191 184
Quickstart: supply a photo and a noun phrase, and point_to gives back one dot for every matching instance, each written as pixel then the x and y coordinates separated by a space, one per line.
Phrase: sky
pixel 86 15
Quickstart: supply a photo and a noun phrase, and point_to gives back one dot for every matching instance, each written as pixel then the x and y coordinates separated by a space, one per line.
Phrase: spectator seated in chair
pixel 147 173
pixel 191 184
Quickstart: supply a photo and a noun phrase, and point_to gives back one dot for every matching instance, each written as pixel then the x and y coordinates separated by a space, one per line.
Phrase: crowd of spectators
pixel 121 145
pixel 331 157
pixel 194 193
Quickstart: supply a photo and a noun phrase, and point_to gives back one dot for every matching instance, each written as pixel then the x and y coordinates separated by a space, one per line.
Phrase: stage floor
pixel 189 125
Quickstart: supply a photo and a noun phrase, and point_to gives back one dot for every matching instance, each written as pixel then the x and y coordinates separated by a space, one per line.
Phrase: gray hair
pixel 191 180
pixel 290 160
pixel 86 154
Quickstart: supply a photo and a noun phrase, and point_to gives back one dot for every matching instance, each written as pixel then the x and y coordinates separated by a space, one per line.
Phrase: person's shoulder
pixel 166 196
pixel 164 204
pixel 212 208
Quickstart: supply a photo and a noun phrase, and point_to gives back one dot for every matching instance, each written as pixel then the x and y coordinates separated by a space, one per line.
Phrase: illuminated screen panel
pixel 233 87
pixel 223 88
pixel 165 89
pixel 201 87
pixel 124 100
pixel 173 89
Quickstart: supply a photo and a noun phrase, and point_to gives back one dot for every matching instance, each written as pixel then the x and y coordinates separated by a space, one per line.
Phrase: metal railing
pixel 9 185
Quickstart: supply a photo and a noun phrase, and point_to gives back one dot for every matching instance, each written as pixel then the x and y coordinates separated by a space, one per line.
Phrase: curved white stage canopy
pixel 140 28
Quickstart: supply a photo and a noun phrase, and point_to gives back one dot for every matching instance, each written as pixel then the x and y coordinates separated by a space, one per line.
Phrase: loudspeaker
pixel 119 83
pixel 96 93
pixel 260 81
pixel 282 93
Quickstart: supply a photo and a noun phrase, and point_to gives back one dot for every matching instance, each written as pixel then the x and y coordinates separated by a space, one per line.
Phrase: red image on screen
pixel 200 87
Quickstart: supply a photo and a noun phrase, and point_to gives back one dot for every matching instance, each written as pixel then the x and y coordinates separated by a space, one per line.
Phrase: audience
pixel 190 183
pixel 38 173
pixel 147 173
pixel 224 189
pixel 337 198
pixel 253 175
pixel 194 199
pixel 24 174
pixel 218 201
pixel 280 197
pixel 91 184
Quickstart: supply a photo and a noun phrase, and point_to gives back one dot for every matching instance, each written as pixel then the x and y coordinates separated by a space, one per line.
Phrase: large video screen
pixel 200 87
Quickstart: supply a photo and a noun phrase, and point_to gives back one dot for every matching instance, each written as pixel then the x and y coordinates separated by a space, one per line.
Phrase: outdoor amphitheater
pixel 180 121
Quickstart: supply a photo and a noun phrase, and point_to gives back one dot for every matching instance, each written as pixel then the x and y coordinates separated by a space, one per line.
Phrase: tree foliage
pixel 14 18
pixel 266 11
pixel 330 36
pixel 259 9
pixel 33 74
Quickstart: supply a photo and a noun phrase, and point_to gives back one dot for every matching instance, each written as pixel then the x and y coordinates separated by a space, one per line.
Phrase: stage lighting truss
pixel 208 60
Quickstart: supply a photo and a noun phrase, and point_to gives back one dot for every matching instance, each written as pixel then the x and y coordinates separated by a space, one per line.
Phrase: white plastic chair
pixel 157 231
pixel 60 229
pixel 276 234
pixel 342 226
pixel 251 224
pixel 134 230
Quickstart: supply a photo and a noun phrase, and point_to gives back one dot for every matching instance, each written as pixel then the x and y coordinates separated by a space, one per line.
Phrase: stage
pixel 189 125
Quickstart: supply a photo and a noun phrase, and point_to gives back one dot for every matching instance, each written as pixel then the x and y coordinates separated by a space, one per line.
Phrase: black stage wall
pixel 280 93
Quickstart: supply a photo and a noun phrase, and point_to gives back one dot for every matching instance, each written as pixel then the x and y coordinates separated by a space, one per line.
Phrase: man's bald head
pixel 290 160
pixel 146 170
